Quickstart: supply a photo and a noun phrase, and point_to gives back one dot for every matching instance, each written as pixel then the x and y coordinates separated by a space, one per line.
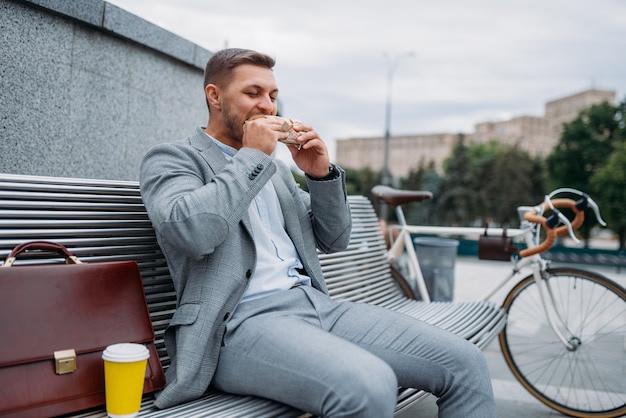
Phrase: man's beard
pixel 233 124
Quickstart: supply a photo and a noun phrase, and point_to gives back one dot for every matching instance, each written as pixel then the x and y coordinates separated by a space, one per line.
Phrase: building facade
pixel 405 152
pixel 536 134
pixel 565 110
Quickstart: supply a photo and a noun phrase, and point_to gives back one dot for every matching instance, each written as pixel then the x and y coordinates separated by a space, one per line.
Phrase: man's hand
pixel 311 155
pixel 261 132
pixel 308 150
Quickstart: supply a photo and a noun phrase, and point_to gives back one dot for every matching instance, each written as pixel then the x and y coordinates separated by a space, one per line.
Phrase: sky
pixel 453 63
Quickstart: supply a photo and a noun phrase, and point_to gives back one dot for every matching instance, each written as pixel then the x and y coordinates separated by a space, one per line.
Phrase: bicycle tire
pixel 587 381
pixel 403 283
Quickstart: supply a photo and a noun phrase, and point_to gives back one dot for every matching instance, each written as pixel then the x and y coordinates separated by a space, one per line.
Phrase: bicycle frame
pixel 536 262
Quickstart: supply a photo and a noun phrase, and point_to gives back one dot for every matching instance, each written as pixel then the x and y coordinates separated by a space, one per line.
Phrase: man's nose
pixel 267 104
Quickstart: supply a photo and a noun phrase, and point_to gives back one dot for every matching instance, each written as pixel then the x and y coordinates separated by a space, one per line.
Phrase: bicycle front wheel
pixel 587 378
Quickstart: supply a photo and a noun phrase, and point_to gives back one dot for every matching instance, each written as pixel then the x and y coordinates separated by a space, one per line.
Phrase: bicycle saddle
pixel 395 197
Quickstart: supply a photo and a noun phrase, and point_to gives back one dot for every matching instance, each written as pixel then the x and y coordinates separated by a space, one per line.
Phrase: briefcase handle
pixel 41 245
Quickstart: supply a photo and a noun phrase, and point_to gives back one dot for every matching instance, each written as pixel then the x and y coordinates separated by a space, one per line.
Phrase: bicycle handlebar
pixel 550 224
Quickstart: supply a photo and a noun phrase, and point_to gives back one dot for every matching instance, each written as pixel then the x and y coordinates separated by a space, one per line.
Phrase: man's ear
pixel 213 96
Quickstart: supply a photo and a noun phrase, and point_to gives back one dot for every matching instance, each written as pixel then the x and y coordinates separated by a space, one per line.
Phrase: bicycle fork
pixel 540 273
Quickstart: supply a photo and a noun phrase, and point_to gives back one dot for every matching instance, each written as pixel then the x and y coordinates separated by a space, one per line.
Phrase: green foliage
pixel 482 183
pixel 361 181
pixel 585 148
pixel 609 184
pixel 485 183
pixel 423 178
pixel 510 178
pixel 456 202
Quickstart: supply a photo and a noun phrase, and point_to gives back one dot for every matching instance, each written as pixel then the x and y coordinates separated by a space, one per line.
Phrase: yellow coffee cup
pixel 124 374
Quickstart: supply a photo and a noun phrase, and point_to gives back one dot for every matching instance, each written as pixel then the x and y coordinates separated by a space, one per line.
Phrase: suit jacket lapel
pixel 215 160
pixel 208 150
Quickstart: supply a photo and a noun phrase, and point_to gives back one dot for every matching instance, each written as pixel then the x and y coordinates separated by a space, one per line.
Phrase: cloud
pixel 474 61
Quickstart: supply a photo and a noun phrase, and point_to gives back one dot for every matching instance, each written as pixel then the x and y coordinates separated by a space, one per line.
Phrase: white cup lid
pixel 126 352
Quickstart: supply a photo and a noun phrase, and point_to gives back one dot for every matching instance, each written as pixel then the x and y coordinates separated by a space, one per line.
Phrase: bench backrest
pixel 361 272
pixel 106 221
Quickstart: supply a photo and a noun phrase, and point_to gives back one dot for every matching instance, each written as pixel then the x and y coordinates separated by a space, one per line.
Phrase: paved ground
pixel 473 279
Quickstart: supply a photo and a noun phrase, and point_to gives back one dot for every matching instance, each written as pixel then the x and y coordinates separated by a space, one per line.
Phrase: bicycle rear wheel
pixel 588 380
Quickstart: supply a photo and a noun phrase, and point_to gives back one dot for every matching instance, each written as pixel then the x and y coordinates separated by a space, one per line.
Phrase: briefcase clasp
pixel 65 361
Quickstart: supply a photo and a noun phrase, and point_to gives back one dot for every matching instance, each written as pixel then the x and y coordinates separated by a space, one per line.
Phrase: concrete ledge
pixel 87 88
pixel 112 19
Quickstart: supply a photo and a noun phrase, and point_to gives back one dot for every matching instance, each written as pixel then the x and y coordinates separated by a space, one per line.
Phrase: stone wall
pixel 87 88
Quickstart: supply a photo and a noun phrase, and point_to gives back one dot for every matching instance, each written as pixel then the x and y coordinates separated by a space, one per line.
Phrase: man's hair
pixel 220 66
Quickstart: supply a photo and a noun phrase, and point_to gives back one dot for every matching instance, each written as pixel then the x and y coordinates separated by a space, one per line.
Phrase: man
pixel 253 313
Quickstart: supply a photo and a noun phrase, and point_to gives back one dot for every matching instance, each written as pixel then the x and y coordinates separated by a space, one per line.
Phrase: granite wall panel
pixel 87 88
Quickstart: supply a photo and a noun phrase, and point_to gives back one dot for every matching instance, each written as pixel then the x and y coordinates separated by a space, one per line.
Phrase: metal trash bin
pixel 437 257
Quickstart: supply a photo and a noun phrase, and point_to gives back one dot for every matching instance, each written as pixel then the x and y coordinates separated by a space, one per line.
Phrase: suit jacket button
pixel 226 316
pixel 260 167
pixel 251 176
pixel 248 274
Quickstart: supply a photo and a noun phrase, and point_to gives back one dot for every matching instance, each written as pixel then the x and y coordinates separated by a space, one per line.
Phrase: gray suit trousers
pixel 344 359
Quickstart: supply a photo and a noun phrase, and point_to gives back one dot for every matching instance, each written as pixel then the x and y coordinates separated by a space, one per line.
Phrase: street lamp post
pixel 392 64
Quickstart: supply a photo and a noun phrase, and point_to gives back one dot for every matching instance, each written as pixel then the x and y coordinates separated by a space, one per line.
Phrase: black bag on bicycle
pixel 495 248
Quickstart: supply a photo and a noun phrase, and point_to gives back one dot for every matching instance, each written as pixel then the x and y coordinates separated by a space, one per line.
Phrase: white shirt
pixel 277 260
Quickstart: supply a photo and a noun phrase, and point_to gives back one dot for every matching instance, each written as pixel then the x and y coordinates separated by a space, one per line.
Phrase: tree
pixel 424 178
pixel 609 184
pixel 584 148
pixel 361 181
pixel 457 197
pixel 483 157
pixel 500 178
pixel 515 179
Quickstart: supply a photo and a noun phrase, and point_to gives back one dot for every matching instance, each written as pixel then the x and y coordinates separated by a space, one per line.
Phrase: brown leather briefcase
pixel 55 321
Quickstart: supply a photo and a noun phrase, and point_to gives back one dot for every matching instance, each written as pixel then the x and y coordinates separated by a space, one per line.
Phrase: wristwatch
pixel 332 173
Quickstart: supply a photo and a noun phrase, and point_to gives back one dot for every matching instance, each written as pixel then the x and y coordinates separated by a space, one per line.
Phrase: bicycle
pixel 565 337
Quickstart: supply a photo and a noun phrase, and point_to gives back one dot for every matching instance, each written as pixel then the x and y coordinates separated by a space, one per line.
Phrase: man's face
pixel 252 91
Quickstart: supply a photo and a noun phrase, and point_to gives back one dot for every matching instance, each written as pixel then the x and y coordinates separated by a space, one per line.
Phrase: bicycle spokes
pixel 584 377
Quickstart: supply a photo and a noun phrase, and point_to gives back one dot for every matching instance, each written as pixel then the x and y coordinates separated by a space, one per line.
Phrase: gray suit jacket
pixel 198 204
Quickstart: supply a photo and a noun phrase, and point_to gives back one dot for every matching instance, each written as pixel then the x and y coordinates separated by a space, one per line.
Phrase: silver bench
pixel 105 220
